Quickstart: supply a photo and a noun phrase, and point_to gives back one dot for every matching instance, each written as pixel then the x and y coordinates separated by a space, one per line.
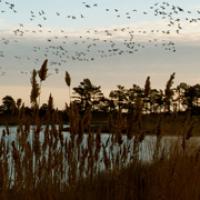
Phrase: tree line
pixel 88 96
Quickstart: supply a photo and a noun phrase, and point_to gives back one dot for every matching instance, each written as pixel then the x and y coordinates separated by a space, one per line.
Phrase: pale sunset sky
pixel 110 42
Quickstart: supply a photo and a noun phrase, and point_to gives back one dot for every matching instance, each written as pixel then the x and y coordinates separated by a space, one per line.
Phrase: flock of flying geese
pixel 61 47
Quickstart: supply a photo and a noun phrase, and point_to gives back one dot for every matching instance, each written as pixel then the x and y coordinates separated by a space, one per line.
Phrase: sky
pixel 110 42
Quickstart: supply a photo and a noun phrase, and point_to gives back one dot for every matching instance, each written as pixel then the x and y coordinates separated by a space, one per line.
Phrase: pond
pixel 62 156
pixel 146 148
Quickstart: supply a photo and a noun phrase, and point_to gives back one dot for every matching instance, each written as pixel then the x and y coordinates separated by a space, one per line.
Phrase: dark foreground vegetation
pixel 45 162
pixel 173 178
pixel 128 106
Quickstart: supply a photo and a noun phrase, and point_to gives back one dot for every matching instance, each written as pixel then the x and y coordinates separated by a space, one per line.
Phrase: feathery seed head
pixel 67 79
pixel 43 71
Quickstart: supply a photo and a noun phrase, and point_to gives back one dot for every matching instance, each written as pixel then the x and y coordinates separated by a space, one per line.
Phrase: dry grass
pixel 43 162
pixel 173 177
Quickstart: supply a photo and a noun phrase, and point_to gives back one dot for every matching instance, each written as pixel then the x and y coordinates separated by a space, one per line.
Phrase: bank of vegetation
pixel 45 162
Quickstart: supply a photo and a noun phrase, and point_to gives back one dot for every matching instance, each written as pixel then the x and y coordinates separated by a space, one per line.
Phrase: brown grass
pixel 83 166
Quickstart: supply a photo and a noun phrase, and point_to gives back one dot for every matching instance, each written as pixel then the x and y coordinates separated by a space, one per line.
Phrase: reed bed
pixel 44 162
pixel 49 164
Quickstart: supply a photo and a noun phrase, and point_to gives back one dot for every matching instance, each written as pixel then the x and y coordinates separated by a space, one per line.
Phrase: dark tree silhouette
pixel 88 95
pixel 192 95
pixel 9 104
pixel 156 100
pixel 19 103
pixel 119 96
pixel 181 98
pixel 43 110
pixel 133 94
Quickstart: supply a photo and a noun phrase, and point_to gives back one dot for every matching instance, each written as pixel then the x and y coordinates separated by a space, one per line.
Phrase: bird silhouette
pixel 62 46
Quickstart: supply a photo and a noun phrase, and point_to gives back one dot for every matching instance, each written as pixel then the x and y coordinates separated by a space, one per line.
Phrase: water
pixel 79 153
pixel 146 147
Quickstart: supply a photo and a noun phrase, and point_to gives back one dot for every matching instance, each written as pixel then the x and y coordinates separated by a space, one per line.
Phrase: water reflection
pixel 146 147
